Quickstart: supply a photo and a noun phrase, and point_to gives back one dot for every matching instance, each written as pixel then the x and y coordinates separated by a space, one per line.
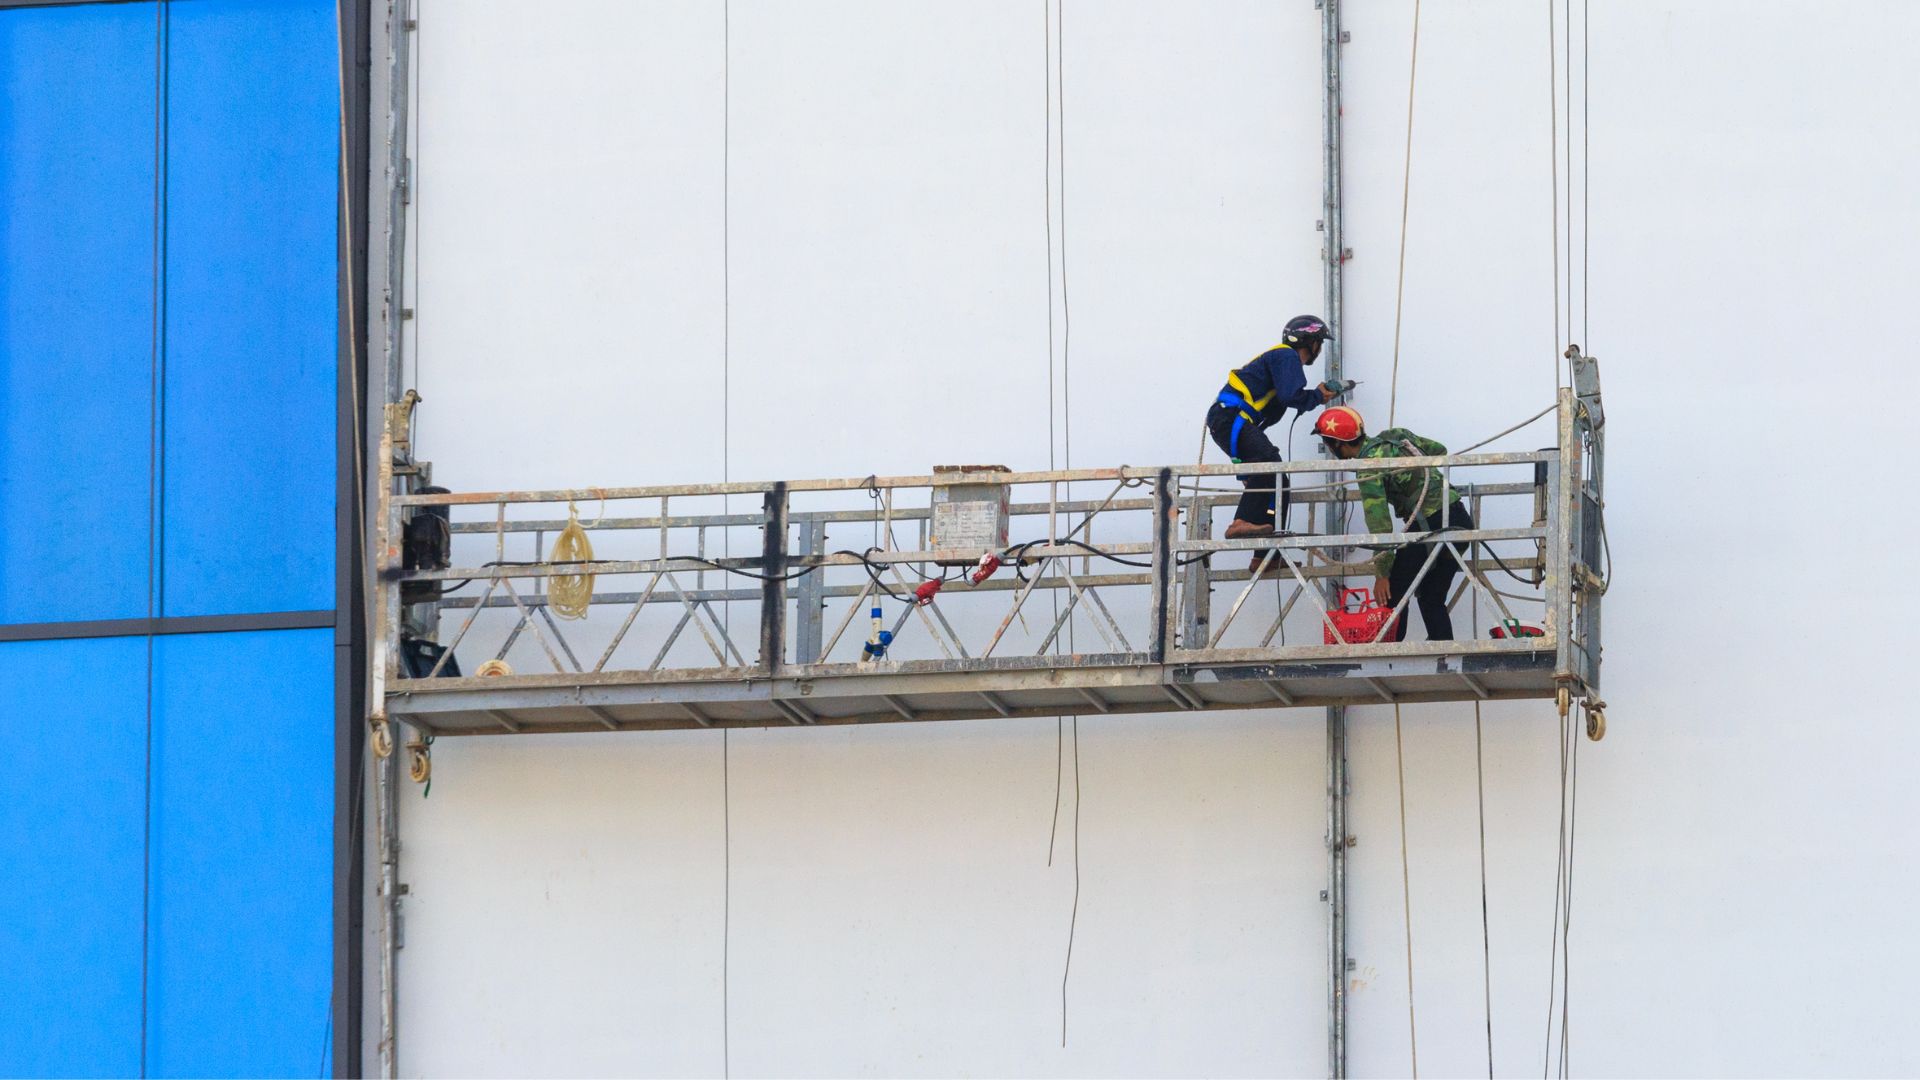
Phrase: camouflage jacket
pixel 1400 489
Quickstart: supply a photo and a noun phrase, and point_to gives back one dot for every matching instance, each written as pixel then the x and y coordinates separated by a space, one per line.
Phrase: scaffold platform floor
pixel 914 690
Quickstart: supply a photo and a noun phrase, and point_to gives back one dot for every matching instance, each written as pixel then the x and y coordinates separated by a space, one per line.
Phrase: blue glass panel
pixel 241 911
pixel 73 770
pixel 76 310
pixel 253 144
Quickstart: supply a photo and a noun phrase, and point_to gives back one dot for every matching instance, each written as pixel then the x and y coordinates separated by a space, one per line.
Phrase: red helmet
pixel 1342 423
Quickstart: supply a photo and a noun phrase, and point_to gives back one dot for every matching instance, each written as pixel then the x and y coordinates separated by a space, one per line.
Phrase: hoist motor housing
pixel 970 512
pixel 426 544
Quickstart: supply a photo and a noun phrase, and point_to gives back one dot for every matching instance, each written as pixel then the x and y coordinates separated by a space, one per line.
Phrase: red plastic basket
pixel 1359 619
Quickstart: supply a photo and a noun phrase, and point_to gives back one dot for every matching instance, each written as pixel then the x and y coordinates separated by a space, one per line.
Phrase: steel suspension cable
pixel 1559 893
pixel 726 539
pixel 1566 104
pixel 1566 913
pixel 1406 188
pixel 1586 173
pixel 1480 789
pixel 1393 398
pixel 1046 172
pixel 1054 95
pixel 1066 458
pixel 1553 159
pixel 1406 889
pixel 1586 311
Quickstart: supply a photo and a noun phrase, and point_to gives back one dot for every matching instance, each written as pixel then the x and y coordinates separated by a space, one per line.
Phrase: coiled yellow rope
pixel 570 594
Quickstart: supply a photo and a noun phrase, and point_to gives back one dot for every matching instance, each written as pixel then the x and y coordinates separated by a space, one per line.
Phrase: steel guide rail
pixel 1060 476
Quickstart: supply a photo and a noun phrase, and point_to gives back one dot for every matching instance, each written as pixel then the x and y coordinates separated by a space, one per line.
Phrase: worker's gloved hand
pixel 1333 388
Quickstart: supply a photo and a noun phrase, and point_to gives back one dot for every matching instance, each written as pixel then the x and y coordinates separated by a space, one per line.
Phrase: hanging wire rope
pixel 1073 921
pixel 1406 889
pixel 1066 430
pixel 1566 104
pixel 1508 431
pixel 1560 961
pixel 1566 912
pixel 1573 795
pixel 726 474
pixel 1393 398
pixel 1486 933
pixel 1406 188
pixel 1559 894
pixel 1553 158
pixel 1046 171
pixel 1586 175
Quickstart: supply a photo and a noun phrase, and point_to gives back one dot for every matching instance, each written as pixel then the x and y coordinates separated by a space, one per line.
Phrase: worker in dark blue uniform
pixel 1255 398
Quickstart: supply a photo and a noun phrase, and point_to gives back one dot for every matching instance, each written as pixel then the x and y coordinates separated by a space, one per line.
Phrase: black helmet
pixel 1305 328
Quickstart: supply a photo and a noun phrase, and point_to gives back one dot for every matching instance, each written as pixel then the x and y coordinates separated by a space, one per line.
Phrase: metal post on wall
pixel 1334 257
pixel 399 24
pixel 398 181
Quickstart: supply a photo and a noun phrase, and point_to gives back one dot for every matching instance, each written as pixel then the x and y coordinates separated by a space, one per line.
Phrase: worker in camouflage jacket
pixel 1420 497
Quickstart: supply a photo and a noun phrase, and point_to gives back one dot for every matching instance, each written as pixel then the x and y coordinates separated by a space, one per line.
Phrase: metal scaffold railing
pixel 919 598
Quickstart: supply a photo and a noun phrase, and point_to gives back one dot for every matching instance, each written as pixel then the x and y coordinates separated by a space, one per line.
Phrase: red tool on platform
pixel 1514 628
pixel 1358 618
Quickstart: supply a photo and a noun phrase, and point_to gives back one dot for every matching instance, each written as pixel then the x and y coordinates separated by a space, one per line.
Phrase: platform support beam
pixel 1196 584
pixel 810 597
pixel 773 590
pixel 1163 565
pixel 1334 258
pixel 1563 493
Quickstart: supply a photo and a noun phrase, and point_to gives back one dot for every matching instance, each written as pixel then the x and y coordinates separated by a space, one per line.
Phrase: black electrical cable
pixel 741 571
pixel 1018 551
pixel 873 572
pixel 1492 554
pixel 745 573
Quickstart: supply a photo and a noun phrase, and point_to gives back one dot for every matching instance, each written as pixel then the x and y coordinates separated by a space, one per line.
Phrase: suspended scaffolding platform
pixel 1114 595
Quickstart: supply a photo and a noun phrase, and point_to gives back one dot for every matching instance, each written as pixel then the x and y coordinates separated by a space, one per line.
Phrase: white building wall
pixel 877 900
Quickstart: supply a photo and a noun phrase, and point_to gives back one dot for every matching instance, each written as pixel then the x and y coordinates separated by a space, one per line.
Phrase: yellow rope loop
pixel 570 594
pixel 419 761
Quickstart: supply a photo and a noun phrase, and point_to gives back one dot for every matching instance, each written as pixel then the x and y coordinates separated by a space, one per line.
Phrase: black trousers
pixel 1243 441
pixel 1431 594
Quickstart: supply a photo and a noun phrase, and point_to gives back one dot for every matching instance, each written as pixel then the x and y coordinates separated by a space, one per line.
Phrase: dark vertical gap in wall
pixel 349 670
pixel 156 494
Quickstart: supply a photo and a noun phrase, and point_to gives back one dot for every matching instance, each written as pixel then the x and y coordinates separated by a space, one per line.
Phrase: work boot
pixel 1246 530
pixel 1279 563
pixel 1277 566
